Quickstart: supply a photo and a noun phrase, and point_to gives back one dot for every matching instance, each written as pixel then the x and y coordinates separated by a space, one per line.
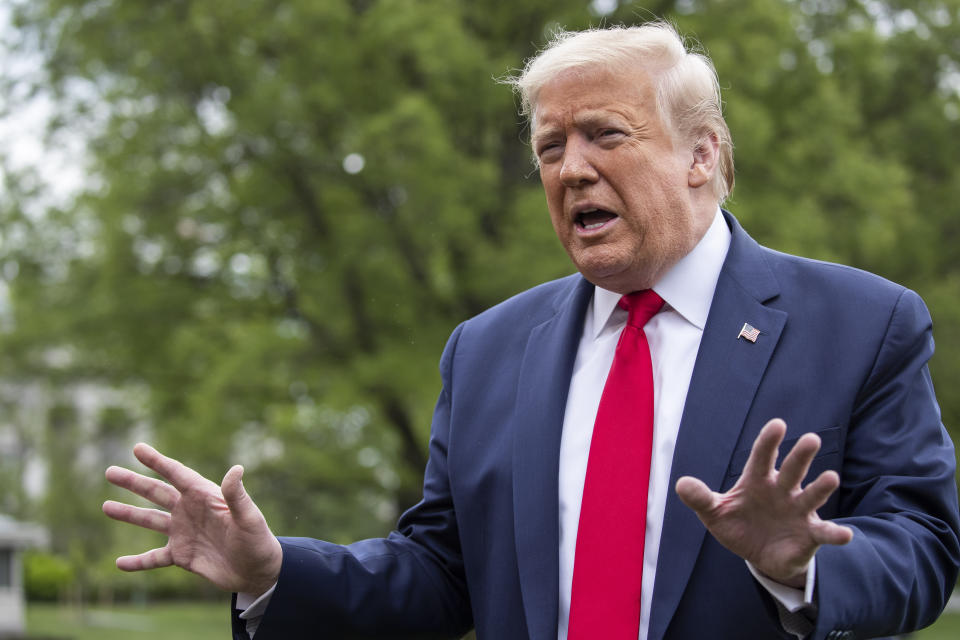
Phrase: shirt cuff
pixel 252 608
pixel 791 599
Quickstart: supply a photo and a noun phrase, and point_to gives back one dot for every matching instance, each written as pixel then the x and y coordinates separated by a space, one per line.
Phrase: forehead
pixel 577 97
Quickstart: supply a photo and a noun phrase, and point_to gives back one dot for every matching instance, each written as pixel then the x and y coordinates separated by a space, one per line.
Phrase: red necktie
pixel 608 565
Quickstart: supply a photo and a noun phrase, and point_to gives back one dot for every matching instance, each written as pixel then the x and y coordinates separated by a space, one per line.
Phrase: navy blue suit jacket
pixel 842 353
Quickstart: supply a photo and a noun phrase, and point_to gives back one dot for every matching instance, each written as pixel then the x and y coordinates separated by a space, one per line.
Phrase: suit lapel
pixel 538 420
pixel 725 379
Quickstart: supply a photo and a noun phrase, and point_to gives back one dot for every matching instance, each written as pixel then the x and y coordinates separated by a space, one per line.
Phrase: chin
pixel 616 281
pixel 619 278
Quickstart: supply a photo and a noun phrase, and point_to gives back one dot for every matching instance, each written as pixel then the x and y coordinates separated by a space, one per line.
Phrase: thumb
pixel 695 494
pixel 237 498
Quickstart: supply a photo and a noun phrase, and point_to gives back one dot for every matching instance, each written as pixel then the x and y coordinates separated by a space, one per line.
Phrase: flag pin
pixel 749 332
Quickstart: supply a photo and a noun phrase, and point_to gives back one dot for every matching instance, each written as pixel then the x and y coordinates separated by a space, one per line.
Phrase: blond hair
pixel 686 85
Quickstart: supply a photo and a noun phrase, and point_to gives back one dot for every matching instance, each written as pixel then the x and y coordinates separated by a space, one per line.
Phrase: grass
pixel 184 621
pixel 946 628
pixel 209 621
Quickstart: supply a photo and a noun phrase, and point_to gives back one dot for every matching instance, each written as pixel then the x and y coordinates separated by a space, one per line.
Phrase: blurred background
pixel 243 231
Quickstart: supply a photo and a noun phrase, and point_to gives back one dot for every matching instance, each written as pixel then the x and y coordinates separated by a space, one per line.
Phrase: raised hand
pixel 766 517
pixel 215 532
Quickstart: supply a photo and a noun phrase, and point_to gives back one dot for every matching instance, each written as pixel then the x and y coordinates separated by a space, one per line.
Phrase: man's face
pixel 624 196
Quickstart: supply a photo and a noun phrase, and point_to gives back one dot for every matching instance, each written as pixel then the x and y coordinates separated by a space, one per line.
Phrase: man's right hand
pixel 215 532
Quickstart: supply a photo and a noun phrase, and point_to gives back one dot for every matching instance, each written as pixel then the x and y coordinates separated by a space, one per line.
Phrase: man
pixel 537 520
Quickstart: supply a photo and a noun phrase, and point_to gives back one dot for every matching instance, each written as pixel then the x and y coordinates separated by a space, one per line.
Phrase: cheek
pixel 560 229
pixel 656 195
pixel 551 184
pixel 554 198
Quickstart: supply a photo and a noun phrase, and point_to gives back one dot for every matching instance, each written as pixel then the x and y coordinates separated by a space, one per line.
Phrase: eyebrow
pixel 585 120
pixel 542 133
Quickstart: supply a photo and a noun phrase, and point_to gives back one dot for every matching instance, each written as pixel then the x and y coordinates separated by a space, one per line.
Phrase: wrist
pixel 796 581
pixel 269 572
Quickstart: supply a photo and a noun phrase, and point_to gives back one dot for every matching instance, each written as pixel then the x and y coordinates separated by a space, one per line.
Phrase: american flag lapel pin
pixel 749 332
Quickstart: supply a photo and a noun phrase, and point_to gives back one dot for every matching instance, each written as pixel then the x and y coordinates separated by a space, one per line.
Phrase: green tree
pixel 290 206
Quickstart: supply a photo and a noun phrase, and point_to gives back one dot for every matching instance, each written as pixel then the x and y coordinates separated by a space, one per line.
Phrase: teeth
pixel 595 225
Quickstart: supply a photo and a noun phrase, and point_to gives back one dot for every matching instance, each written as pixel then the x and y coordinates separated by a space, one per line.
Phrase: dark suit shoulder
pixel 826 284
pixel 792 283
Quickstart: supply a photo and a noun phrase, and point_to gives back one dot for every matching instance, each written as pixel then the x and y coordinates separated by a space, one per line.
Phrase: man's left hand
pixel 766 518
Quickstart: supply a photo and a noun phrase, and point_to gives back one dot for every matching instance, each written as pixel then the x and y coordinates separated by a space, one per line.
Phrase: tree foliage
pixel 289 206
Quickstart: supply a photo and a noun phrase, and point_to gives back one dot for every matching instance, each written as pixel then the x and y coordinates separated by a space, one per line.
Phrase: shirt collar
pixel 687 287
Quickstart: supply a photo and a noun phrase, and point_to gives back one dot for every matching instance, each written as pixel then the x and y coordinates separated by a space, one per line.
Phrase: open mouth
pixel 592 219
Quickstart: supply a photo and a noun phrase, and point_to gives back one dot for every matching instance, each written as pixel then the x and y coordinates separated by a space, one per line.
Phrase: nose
pixel 577 169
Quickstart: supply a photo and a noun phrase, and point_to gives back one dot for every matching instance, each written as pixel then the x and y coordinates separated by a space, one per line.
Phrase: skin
pixel 601 145
pixel 766 518
pixel 214 531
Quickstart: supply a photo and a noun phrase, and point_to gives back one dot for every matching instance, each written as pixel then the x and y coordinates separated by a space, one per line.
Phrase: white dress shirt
pixel 674 337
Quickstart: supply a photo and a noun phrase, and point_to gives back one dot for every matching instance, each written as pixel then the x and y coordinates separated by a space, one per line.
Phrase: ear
pixel 706 157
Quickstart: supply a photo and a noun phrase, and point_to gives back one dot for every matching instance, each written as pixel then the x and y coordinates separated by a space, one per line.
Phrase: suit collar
pixel 746 264
pixel 545 370
pixel 725 379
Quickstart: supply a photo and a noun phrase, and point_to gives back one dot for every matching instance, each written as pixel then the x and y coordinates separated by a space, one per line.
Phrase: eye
pixel 549 151
pixel 609 133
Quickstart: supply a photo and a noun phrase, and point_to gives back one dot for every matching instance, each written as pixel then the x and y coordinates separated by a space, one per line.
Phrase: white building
pixel 14 537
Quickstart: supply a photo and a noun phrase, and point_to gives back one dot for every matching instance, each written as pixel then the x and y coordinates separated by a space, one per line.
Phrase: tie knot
pixel 642 305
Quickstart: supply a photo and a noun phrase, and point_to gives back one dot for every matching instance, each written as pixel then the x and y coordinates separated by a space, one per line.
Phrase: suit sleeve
pixel 898 493
pixel 410 584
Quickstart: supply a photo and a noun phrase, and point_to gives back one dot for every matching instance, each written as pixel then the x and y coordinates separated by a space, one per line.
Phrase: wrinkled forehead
pixel 590 91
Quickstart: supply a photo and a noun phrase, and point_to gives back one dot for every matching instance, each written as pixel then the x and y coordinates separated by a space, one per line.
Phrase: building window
pixel 6 568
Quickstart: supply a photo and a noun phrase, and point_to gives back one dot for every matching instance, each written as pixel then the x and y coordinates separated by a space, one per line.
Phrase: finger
pixel 238 500
pixel 156 491
pixel 153 559
pixel 695 494
pixel 152 519
pixel 826 532
pixel 816 494
pixel 175 472
pixel 797 462
pixel 763 454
